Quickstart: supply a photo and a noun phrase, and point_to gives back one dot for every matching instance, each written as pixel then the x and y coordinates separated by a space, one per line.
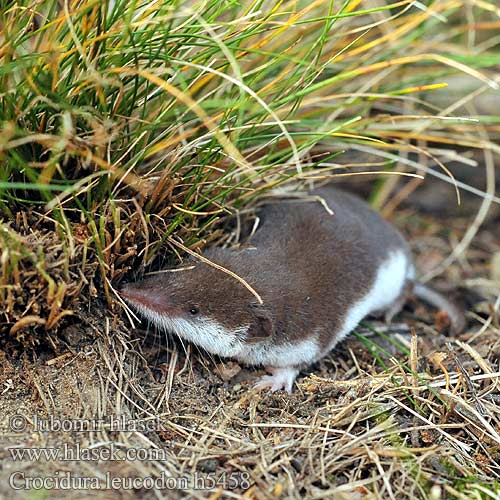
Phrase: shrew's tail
pixel 427 294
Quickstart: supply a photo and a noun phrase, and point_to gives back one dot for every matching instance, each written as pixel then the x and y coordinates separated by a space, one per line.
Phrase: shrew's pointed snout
pixel 140 294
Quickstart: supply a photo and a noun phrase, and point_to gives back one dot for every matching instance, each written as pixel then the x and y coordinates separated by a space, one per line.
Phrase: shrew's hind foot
pixel 396 307
pixel 399 303
pixel 281 378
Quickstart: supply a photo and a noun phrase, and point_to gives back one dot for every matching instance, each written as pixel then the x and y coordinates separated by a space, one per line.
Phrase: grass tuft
pixel 123 123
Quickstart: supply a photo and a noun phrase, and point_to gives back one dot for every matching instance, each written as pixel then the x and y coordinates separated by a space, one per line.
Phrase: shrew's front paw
pixel 281 378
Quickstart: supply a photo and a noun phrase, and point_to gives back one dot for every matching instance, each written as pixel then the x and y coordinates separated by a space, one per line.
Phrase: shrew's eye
pixel 194 311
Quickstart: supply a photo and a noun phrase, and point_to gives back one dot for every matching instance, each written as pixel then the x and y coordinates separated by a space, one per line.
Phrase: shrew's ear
pixel 262 326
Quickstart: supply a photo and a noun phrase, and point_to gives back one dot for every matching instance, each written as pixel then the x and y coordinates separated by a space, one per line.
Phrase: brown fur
pixel 308 266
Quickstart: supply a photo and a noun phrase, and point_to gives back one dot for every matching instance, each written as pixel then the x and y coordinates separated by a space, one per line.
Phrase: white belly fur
pixel 387 287
pixel 303 352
